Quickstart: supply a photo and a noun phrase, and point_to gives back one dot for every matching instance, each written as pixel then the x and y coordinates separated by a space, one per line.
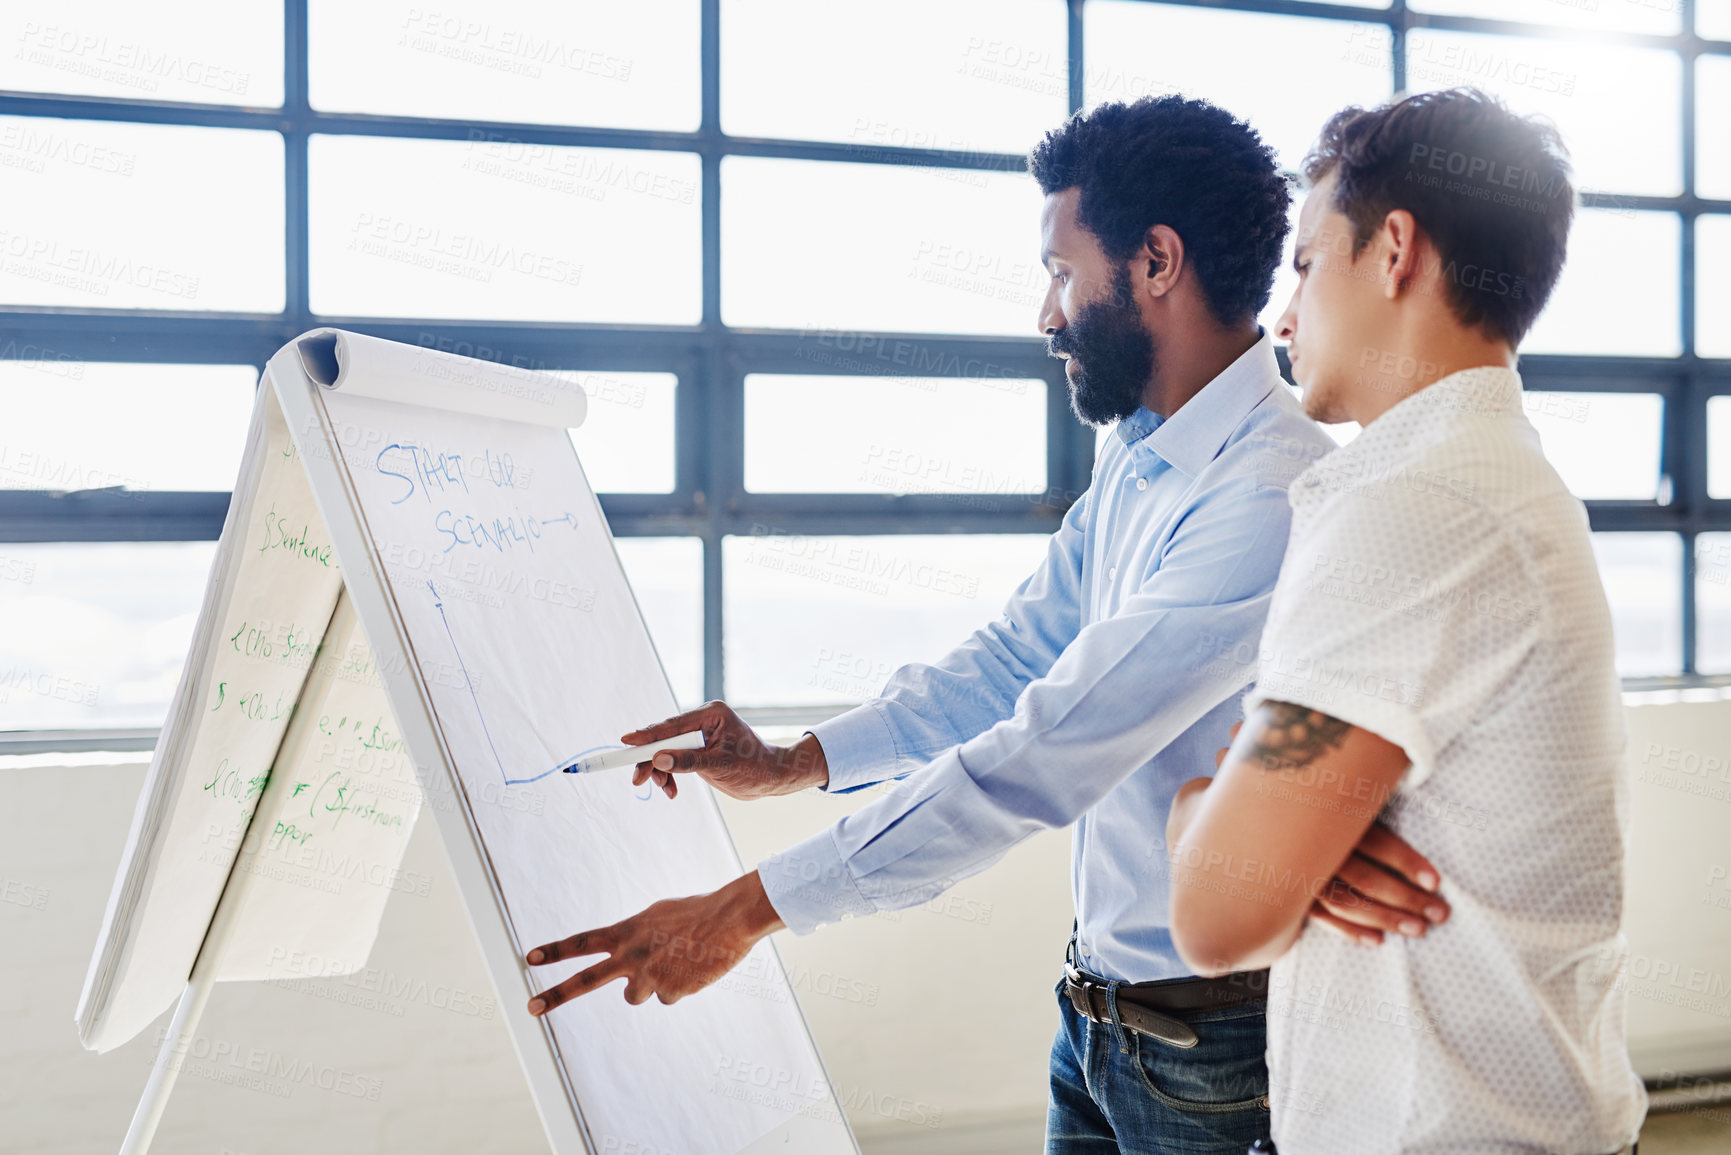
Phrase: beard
pixel 1113 353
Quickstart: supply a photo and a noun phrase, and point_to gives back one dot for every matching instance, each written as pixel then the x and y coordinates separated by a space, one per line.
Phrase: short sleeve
pixel 1401 609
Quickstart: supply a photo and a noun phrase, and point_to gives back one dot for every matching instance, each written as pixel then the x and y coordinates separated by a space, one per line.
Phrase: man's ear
pixel 1400 258
pixel 1160 262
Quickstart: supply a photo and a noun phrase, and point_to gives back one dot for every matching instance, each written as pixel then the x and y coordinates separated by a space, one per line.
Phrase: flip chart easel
pixel 423 519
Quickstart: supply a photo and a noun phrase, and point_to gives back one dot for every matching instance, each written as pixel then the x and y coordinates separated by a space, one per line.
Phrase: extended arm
pixel 1121 692
pixel 923 710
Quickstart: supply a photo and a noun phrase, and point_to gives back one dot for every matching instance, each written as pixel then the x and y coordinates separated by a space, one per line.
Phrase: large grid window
pixel 800 297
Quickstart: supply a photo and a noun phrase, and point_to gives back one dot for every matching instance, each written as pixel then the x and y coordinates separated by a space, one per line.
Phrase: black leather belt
pixel 1150 1008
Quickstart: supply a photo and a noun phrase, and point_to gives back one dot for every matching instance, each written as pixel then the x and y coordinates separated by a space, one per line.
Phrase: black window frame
pixel 709 501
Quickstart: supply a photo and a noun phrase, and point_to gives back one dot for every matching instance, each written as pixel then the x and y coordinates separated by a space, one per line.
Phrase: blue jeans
pixel 1114 1091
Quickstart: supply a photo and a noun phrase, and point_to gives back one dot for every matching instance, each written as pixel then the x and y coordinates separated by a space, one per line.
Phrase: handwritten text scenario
pixel 437 474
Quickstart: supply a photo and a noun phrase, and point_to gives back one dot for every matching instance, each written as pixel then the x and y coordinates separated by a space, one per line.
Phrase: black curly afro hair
pixel 1186 164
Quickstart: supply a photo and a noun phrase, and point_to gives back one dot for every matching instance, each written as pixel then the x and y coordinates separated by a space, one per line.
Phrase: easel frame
pixel 300 399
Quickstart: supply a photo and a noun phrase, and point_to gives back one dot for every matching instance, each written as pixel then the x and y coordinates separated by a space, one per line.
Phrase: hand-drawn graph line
pixel 439 604
pixel 481 715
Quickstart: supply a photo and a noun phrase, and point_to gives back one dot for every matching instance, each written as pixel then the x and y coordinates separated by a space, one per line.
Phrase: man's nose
pixel 1051 318
pixel 1287 327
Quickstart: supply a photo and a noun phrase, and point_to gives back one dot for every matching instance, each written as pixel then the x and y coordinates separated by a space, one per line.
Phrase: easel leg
pixel 167 1065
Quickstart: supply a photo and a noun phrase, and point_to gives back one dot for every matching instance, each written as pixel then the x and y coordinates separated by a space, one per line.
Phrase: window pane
pixel 96 634
pixel 200 51
pixel 1242 61
pixel 666 575
pixel 819 620
pixel 984 435
pixel 1713 127
pixel 924 250
pixel 537 61
pixel 1713 19
pixel 1619 108
pixel 1285 278
pixel 1713 286
pixel 980 75
pixel 140 216
pixel 1605 445
pixel 1659 18
pixel 626 441
pixel 1719 446
pixel 77 425
pixel 495 230
pixel 1713 603
pixel 1615 247
pixel 1643 576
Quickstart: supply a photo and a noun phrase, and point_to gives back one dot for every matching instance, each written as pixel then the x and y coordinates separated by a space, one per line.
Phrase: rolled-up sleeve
pixel 1104 705
pixel 1403 612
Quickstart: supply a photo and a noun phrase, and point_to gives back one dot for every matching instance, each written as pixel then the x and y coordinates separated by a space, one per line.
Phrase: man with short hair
pixel 1111 676
pixel 1438 653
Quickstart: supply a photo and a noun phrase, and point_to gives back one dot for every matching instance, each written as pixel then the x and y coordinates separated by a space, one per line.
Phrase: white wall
pixel 935 1024
pixel 1678 914
pixel 955 1066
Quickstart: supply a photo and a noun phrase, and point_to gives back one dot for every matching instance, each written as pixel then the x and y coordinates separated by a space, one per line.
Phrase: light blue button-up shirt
pixel 1112 678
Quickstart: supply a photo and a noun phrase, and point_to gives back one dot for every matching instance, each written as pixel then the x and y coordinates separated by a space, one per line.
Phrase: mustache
pixel 1061 342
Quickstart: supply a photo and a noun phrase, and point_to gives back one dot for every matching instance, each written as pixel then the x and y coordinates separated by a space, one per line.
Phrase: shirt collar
pixel 1485 391
pixel 1482 391
pixel 1191 438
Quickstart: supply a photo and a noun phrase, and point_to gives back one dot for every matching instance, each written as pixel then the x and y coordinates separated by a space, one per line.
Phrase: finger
pixel 1349 905
pixel 588 942
pixel 692 761
pixel 580 983
pixel 1387 849
pixel 1220 756
pixel 1365 935
pixel 638 990
pixel 1236 726
pixel 670 786
pixel 1379 886
pixel 698 719
pixel 1355 910
pixel 641 773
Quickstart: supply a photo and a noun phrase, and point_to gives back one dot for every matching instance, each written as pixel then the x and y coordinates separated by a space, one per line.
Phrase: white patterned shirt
pixel 1440 590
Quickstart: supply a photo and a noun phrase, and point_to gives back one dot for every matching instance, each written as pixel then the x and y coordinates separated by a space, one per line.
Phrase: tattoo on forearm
pixel 1295 736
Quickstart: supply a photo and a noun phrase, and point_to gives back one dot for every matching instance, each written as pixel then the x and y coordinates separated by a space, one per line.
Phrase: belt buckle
pixel 1172 1032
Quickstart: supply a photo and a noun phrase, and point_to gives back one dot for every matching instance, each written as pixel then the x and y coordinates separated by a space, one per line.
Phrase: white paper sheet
pixel 364 366
pixel 273 585
pixel 519 614
pixel 325 845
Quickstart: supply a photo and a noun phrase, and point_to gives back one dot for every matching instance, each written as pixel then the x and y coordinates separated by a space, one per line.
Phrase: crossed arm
pixel 1282 832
